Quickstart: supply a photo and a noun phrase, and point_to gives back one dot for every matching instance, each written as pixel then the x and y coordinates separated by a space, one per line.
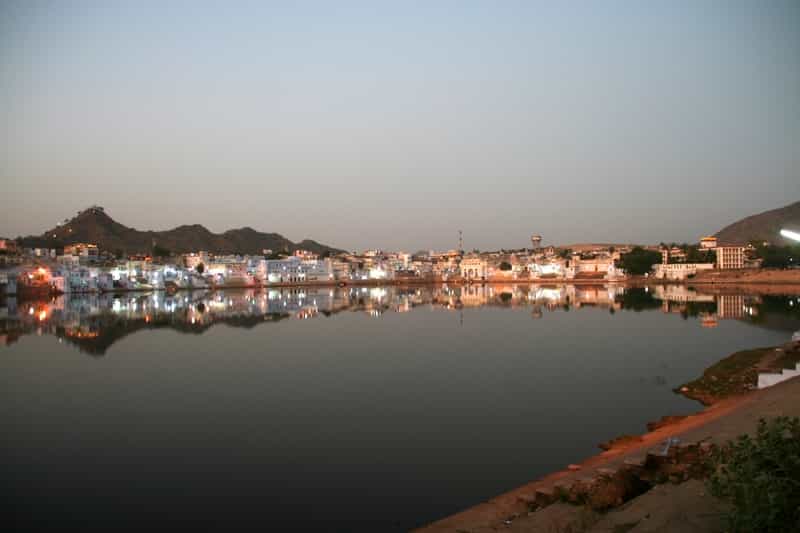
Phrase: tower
pixel 460 241
pixel 536 240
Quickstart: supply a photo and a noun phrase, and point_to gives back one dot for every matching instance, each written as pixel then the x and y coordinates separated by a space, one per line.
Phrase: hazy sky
pixel 378 124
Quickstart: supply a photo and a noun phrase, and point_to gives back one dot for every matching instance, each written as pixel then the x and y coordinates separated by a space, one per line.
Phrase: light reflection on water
pixel 338 409
pixel 80 318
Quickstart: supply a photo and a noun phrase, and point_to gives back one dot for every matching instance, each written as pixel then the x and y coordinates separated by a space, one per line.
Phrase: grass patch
pixel 735 374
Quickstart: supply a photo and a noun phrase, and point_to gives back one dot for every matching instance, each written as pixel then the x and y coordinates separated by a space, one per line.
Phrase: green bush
pixel 638 261
pixel 760 477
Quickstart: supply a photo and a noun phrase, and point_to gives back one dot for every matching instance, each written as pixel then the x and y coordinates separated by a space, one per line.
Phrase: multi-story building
pixel 729 257
pixel 708 243
pixel 86 252
pixel 552 268
pixel 8 246
pixel 601 266
pixel 306 255
pixel 474 268
pixel 294 270
pixel 192 260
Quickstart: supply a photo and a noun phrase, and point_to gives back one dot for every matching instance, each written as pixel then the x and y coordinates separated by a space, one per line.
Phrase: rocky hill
pixel 94 225
pixel 763 226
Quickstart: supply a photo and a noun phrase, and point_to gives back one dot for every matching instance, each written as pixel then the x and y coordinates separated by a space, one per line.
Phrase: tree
pixel 778 256
pixel 638 261
pixel 758 475
pixel 200 268
pixel 505 266
pixel 696 255
pixel 160 251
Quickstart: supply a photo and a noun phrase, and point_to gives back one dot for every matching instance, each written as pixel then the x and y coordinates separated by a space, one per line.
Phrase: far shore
pixel 766 281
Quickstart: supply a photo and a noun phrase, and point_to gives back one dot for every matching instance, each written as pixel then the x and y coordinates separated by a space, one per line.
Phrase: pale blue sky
pixel 394 124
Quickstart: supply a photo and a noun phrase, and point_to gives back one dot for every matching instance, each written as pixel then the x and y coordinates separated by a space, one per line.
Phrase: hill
pixel 763 226
pixel 94 225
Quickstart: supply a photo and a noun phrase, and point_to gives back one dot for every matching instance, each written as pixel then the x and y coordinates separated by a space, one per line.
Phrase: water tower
pixel 536 240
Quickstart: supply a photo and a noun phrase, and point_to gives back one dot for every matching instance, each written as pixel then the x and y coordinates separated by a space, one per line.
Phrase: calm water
pixel 336 410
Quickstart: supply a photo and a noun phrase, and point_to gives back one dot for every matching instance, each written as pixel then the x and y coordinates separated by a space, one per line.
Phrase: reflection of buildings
pixel 709 308
pixel 93 322
pixel 730 306
pixel 708 320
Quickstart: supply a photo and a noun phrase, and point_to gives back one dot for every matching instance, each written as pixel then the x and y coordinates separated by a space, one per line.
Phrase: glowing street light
pixel 790 235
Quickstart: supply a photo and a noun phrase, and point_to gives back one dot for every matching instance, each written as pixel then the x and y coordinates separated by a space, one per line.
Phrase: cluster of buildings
pixel 680 263
pixel 84 267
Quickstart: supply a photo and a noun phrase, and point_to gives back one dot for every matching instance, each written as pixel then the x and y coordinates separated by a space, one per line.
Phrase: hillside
pixel 94 225
pixel 763 226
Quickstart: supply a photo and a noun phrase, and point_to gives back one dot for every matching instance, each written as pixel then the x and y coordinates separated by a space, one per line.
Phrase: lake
pixel 352 409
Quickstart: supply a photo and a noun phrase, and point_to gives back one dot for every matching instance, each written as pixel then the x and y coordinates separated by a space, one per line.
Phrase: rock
pixel 573 467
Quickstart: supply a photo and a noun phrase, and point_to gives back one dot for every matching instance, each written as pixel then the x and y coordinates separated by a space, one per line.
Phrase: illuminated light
pixel 790 234
pixel 30 311
pixel 42 315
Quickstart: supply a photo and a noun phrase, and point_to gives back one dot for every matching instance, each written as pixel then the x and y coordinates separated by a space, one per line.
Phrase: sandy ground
pixel 683 507
pixel 748 275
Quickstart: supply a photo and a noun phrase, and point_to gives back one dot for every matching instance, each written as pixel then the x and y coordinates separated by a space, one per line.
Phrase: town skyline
pixel 396 126
pixel 524 241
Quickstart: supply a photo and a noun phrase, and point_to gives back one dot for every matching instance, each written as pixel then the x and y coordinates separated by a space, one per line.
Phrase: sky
pixel 396 124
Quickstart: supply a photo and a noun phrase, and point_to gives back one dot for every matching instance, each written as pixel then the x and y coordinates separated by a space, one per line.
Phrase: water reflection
pixel 93 322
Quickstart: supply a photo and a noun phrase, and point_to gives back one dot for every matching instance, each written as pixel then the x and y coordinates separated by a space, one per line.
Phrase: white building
pixel 679 271
pixel 474 268
pixel 708 243
pixel 729 257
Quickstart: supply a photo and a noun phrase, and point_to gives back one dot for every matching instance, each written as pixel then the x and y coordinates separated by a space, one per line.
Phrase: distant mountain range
pixel 94 225
pixel 764 226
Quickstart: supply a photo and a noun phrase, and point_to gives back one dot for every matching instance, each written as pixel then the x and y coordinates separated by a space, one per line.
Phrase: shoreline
pixel 763 280
pixel 722 418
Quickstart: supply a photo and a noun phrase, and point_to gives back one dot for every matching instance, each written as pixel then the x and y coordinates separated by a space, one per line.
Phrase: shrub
pixel 760 477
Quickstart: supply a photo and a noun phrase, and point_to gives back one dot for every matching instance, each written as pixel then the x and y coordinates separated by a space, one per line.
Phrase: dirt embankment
pixel 748 275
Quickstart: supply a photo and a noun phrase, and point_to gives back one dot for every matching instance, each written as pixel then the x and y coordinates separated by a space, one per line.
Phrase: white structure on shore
pixel 679 271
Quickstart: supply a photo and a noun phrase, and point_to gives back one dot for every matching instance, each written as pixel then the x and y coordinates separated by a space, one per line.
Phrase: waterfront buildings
pixel 84 267
pixel 8 246
pixel 729 257
pixel 679 271
pixel 473 268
